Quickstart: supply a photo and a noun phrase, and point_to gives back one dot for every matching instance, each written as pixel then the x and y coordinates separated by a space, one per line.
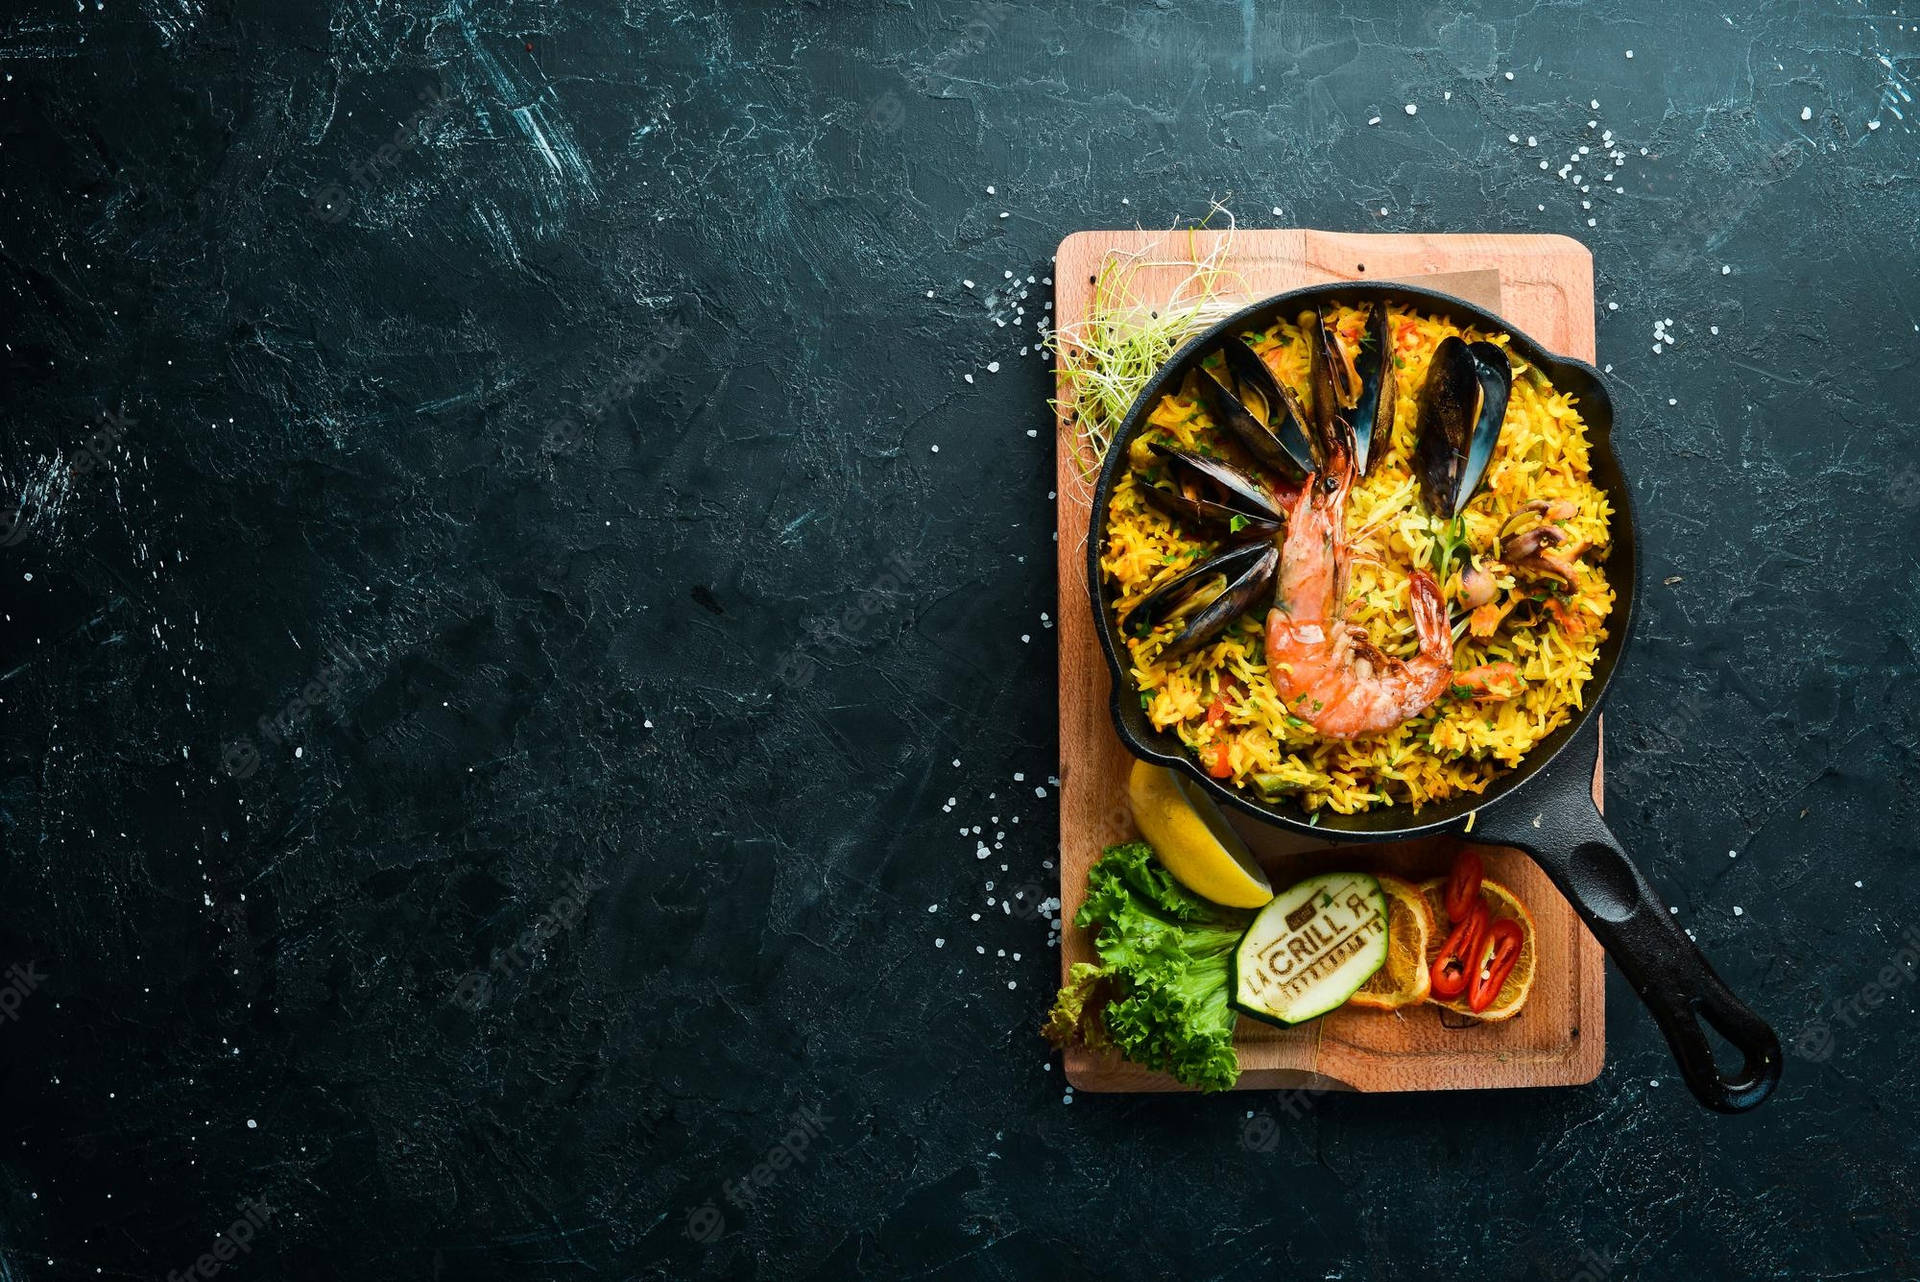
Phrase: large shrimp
pixel 1327 672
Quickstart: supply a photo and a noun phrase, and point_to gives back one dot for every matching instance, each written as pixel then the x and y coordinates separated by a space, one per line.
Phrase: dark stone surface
pixel 536 483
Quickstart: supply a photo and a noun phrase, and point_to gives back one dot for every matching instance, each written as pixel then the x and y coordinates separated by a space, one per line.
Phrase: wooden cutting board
pixel 1545 287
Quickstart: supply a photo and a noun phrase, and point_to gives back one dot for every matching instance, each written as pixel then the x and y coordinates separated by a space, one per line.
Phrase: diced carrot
pixel 1570 622
pixel 1490 681
pixel 1485 619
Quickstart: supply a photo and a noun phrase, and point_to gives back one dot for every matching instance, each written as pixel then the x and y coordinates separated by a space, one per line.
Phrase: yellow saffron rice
pixel 1458 745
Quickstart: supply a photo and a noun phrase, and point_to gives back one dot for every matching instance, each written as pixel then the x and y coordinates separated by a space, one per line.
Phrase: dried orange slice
pixel 1500 902
pixel 1403 979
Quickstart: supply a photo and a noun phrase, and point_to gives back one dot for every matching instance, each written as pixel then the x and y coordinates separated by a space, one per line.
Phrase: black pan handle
pixel 1553 818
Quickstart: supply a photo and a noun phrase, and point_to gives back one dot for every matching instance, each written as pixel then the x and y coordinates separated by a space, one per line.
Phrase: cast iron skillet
pixel 1545 806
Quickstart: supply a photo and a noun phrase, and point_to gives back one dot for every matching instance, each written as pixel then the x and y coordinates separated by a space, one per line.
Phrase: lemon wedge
pixel 1193 839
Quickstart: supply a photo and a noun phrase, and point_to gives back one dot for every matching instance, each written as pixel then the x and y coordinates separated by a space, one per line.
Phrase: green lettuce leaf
pixel 1159 994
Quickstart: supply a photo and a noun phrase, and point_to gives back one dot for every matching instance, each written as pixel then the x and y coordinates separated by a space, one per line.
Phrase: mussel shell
pixel 1239 495
pixel 1320 377
pixel 1249 571
pixel 1495 372
pixel 1379 390
pixel 1462 406
pixel 1260 410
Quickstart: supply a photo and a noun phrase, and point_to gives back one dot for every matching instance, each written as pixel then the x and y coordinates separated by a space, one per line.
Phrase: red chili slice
pixel 1494 960
pixel 1463 884
pixel 1452 968
pixel 1218 711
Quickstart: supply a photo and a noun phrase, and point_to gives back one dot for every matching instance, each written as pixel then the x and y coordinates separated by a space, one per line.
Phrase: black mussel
pixel 1462 405
pixel 1379 391
pixel 1329 374
pixel 1208 597
pixel 1229 502
pixel 1495 371
pixel 1356 386
pixel 1262 412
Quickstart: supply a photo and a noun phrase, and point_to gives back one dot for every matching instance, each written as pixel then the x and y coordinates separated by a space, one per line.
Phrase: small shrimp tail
pixel 1430 616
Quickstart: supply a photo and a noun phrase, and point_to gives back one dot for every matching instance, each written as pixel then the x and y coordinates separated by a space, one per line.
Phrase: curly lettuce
pixel 1159 993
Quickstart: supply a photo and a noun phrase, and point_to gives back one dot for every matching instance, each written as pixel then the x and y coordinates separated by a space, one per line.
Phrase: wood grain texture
pixel 1545 289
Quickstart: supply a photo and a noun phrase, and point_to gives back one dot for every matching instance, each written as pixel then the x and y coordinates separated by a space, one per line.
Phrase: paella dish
pixel 1357 559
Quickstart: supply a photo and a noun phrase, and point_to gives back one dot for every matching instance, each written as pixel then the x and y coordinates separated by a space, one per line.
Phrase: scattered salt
pixel 1373 120
pixel 1412 110
pixel 1806 113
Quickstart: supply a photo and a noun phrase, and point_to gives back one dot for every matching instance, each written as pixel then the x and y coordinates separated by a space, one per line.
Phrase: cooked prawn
pixel 1328 673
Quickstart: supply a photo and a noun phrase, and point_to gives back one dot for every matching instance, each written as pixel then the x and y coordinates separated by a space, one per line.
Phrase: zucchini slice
pixel 1311 948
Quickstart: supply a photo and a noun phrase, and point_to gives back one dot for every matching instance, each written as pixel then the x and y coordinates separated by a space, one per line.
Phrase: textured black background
pixel 547 476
